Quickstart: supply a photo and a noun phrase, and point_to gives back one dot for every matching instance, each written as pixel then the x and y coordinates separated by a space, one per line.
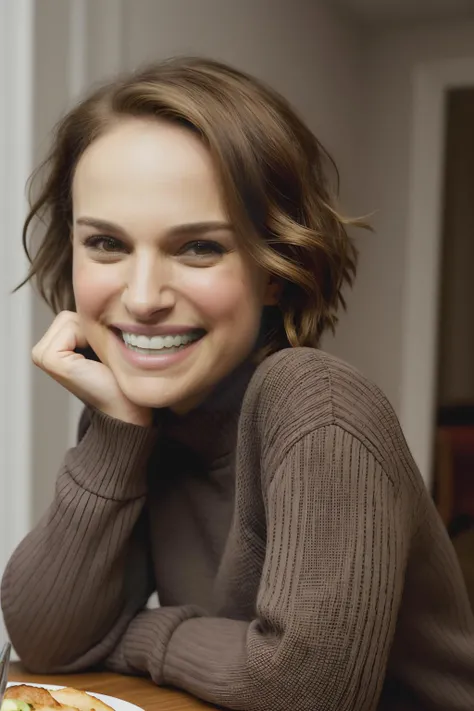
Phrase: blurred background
pixel 388 87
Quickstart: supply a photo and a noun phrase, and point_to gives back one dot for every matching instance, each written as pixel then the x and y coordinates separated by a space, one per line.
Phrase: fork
pixel 4 664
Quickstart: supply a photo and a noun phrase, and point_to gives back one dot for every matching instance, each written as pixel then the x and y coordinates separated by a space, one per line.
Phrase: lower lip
pixel 155 362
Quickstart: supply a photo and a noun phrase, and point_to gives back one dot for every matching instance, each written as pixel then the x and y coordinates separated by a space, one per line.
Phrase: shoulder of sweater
pixel 298 391
pixel 301 382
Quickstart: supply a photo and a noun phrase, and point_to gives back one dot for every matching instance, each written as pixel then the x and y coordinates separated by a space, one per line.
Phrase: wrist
pixel 111 458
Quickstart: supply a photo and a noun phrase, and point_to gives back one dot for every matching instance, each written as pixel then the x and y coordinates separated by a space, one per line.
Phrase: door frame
pixel 16 134
pixel 431 82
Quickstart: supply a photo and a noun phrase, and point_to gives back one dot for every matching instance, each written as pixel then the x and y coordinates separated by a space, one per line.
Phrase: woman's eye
pixel 203 248
pixel 101 243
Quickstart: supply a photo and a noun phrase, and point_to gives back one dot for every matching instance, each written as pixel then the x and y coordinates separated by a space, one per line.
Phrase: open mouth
pixel 160 345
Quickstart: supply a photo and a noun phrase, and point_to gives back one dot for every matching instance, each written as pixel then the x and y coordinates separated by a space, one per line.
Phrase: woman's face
pixel 167 297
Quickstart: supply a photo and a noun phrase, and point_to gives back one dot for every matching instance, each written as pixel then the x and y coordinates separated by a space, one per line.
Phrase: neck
pixel 210 428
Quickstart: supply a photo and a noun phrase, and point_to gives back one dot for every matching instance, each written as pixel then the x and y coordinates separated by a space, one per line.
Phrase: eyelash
pixel 98 242
pixel 211 247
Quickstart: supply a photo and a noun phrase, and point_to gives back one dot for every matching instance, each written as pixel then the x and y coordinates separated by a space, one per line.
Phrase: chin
pixel 181 387
pixel 152 395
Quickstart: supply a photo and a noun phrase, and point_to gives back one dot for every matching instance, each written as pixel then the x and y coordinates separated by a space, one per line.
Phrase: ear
pixel 273 292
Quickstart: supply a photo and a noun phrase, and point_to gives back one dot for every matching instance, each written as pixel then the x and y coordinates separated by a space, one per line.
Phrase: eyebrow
pixel 191 228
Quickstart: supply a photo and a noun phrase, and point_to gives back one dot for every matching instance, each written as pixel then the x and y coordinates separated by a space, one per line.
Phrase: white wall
pixel 16 34
pixel 373 334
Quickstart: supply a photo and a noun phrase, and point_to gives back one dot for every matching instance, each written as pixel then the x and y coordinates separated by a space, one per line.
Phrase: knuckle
pixel 67 315
pixel 62 317
pixel 41 358
pixel 48 363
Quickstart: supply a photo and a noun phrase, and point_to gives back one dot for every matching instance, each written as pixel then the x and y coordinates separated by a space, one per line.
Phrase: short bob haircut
pixel 273 172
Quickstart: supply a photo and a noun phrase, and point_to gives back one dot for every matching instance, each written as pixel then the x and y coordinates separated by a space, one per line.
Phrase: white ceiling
pixel 402 10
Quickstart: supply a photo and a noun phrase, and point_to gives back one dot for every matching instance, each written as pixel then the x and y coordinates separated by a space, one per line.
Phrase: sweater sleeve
pixel 75 582
pixel 331 585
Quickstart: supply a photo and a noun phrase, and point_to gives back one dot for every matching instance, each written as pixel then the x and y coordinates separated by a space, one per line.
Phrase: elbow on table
pixel 37 661
pixel 42 659
pixel 38 666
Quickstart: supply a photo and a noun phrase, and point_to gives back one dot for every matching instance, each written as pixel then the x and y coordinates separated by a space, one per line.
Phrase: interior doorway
pixel 432 84
pixel 454 442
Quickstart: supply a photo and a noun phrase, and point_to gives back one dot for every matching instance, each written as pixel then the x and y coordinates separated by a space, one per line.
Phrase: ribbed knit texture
pixel 299 560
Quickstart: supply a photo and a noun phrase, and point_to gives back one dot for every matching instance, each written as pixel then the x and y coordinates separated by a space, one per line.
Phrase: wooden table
pixel 141 692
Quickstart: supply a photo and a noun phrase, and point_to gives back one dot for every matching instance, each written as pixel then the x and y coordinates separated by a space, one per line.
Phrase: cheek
pixel 94 286
pixel 229 299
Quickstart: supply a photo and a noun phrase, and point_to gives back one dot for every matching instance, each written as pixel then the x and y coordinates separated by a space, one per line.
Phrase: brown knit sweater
pixel 299 561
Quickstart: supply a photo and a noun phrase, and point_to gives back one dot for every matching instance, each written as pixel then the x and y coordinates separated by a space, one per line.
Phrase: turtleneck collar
pixel 210 430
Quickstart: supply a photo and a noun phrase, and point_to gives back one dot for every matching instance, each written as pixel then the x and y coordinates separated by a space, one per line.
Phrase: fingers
pixel 90 381
pixel 61 319
pixel 61 339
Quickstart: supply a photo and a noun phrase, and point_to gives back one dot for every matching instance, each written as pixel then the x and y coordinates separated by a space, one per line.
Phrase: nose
pixel 147 290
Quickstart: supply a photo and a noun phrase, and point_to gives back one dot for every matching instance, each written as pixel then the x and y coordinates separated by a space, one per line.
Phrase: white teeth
pixel 141 341
pixel 160 342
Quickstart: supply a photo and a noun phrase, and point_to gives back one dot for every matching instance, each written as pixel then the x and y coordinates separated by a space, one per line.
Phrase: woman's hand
pixel 90 381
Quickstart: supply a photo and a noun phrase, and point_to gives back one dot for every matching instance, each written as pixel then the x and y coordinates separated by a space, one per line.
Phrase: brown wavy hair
pixel 275 175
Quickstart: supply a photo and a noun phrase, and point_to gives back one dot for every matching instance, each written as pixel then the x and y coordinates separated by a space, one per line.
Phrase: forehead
pixel 147 171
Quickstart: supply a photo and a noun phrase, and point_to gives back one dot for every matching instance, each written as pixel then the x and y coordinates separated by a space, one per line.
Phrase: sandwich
pixel 33 698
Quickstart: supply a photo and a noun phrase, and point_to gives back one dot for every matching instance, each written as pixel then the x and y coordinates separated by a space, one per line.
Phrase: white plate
pixel 116 704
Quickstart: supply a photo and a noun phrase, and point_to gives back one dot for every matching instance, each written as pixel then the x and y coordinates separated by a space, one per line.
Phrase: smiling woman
pixel 151 189
pixel 262 488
